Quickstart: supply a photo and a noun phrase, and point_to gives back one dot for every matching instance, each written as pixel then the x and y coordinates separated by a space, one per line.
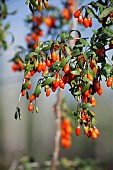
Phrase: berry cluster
pixel 88 131
pixel 66 132
pixel 17 65
pixel 53 23
pixel 86 21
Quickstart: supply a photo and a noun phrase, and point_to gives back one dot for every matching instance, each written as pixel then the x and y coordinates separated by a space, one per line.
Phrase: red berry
pixel 77 130
pixel 30 107
pixel 80 19
pixel 23 92
pixel 109 82
pixel 48 92
pixel 66 69
pixel 86 22
pixel 32 97
pixel 29 86
pixel 61 84
pixel 48 63
pixel 99 91
pixel 90 21
pixel 77 13
pixel 96 131
pixel 39 67
pixel 93 134
pixel 43 66
pixel 14 67
pixel 96 85
pixel 56 83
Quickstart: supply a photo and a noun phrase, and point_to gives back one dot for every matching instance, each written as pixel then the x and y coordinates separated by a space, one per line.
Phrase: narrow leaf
pixel 37 90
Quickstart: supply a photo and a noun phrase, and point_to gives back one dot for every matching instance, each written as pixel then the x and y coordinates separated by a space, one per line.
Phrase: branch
pixel 58 113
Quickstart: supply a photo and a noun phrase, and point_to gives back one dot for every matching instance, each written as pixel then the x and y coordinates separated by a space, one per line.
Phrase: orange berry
pixel 100 91
pixel 109 82
pixel 66 122
pixel 66 69
pixel 54 56
pixel 23 92
pixel 14 67
pixel 66 14
pixel 86 22
pixel 85 99
pixel 48 92
pixel 68 129
pixel 77 13
pixel 97 131
pixel 86 93
pixel 63 133
pixel 61 84
pixel 30 107
pixel 56 83
pixel 90 77
pixel 77 130
pixel 29 86
pixel 93 134
pixel 39 67
pixel 93 101
pixel 32 97
pixel 43 66
pixel 65 143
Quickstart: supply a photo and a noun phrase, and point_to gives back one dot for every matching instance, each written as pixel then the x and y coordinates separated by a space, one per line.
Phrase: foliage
pixel 80 164
pixel 4 27
pixel 82 65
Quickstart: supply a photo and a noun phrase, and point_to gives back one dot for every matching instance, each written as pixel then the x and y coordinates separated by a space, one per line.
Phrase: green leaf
pixel 38 48
pixel 86 105
pixel 65 61
pixel 94 122
pixel 37 90
pixel 84 71
pixel 27 2
pixel 13 13
pixel 87 80
pixel 27 95
pixel 85 87
pixel 89 53
pixel 108 32
pixel 28 56
pixel 33 3
pixel 68 50
pixel 54 65
pixel 83 41
pixel 91 71
pixel 25 85
pixel 41 5
pixel 75 72
pixel 91 12
pixel 12 37
pixel 48 81
pixel 77 93
pixel 7 26
pixel 105 12
pixel 90 113
pixel 46 48
pixel 37 110
pixel 63 37
pixel 31 8
pixel 16 115
pixel 4 44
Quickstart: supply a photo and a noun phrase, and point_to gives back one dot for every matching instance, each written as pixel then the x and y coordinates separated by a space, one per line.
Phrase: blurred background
pixel 34 134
